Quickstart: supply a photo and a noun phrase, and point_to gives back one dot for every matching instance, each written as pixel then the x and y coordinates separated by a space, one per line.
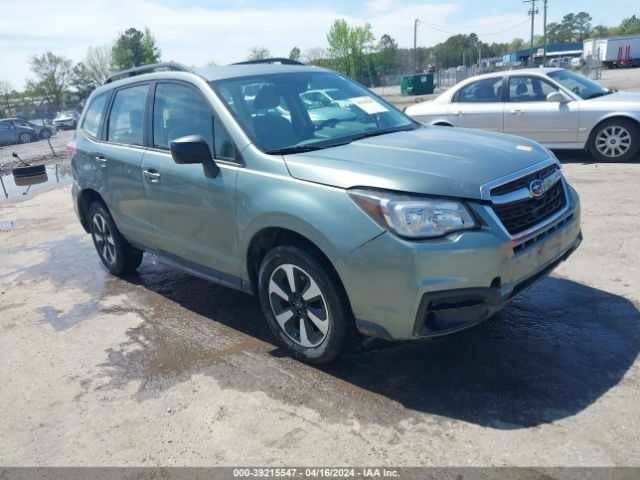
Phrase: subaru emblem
pixel 536 188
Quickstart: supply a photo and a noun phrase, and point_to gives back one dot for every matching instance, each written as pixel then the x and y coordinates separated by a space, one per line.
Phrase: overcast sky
pixel 196 32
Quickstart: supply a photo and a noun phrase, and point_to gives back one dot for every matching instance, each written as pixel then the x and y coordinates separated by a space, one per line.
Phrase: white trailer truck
pixel 613 52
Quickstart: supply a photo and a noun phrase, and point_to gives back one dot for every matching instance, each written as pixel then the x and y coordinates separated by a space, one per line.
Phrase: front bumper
pixel 402 289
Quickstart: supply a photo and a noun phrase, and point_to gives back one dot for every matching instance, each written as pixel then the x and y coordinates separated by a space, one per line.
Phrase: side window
pixel 93 117
pixel 178 111
pixel 529 89
pixel 483 91
pixel 225 148
pixel 126 121
pixel 4 126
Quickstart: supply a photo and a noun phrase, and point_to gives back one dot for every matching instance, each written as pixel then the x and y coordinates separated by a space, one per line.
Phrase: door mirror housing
pixel 557 97
pixel 193 149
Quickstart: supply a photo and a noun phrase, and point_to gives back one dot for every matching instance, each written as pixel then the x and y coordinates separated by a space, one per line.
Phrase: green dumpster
pixel 419 84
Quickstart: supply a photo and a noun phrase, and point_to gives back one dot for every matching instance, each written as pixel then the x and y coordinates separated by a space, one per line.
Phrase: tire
pixel 318 326
pixel 615 140
pixel 116 254
pixel 24 138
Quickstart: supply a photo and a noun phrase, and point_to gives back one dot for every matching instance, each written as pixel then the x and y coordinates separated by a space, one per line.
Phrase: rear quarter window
pixel 95 114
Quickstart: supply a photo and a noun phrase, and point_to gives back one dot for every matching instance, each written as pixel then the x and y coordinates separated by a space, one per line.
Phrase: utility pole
pixel 415 45
pixel 544 33
pixel 532 12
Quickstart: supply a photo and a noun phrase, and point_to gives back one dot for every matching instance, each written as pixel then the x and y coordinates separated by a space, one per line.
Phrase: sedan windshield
pixel 294 112
pixel 578 84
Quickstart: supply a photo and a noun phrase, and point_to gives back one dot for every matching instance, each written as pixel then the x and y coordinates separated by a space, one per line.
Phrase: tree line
pixel 58 83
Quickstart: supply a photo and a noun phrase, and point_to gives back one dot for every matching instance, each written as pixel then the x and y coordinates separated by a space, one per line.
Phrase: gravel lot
pixel 167 369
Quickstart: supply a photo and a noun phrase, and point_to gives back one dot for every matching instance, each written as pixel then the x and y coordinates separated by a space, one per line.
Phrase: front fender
pixel 324 215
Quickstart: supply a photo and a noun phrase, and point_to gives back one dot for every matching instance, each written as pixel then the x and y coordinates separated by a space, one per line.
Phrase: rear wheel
pixel 304 304
pixel 615 140
pixel 116 254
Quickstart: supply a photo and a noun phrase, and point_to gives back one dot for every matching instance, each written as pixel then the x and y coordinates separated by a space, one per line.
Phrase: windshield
pixel 293 112
pixel 579 84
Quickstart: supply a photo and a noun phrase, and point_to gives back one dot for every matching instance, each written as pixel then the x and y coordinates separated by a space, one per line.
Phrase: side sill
pixel 206 273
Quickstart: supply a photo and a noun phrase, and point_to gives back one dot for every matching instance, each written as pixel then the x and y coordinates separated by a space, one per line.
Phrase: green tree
pixel 98 63
pixel 134 48
pixel 574 27
pixel 387 57
pixel 600 31
pixel 81 81
pixel 258 53
pixel 348 47
pixel 629 26
pixel 295 54
pixel 53 75
pixel 518 44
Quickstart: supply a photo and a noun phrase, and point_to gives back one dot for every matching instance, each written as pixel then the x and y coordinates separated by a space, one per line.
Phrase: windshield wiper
pixel 337 143
pixel 375 133
pixel 305 148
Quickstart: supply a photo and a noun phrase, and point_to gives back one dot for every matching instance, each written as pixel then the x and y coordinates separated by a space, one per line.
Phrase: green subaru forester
pixel 344 217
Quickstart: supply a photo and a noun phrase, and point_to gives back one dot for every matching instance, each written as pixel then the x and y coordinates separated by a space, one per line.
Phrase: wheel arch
pixel 85 198
pixel 613 116
pixel 270 237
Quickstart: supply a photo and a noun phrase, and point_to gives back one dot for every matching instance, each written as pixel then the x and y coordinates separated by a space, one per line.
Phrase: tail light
pixel 71 149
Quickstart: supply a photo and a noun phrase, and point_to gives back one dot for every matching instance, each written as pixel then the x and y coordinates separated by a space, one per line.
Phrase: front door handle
pixel 516 111
pixel 459 113
pixel 100 160
pixel 152 175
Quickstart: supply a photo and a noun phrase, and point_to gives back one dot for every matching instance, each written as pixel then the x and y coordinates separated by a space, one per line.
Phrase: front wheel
pixel 24 138
pixel 116 254
pixel 304 304
pixel 615 140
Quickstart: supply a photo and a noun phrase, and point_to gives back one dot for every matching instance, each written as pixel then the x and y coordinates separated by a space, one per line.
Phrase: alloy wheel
pixel 103 239
pixel 298 305
pixel 24 138
pixel 613 141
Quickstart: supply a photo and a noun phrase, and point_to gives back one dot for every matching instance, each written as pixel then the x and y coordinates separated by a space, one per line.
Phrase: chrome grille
pixel 524 211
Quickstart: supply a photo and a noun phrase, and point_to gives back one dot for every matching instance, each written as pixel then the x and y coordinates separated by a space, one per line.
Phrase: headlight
pixel 413 216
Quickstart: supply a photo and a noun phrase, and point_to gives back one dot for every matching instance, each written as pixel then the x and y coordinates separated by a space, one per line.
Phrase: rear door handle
pixel 102 161
pixel 459 113
pixel 152 175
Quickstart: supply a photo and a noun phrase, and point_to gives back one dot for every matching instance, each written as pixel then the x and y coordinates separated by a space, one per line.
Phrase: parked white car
pixel 559 108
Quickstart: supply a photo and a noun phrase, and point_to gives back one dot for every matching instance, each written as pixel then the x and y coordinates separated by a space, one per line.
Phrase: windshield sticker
pixel 368 105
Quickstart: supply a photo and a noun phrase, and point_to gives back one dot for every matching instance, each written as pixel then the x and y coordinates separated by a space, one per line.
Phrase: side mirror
pixel 557 97
pixel 193 149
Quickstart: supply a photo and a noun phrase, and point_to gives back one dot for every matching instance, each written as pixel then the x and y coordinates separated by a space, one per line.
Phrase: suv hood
pixel 432 160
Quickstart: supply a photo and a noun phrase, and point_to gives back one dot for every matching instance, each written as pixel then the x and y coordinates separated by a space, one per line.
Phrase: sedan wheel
pixel 615 140
pixel 24 138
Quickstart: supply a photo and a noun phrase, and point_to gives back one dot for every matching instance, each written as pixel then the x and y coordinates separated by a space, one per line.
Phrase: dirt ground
pixel 167 369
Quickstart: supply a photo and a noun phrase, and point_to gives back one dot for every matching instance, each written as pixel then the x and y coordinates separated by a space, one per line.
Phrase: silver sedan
pixel 559 108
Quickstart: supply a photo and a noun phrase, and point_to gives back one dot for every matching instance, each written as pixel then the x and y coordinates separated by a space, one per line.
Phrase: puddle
pixel 56 175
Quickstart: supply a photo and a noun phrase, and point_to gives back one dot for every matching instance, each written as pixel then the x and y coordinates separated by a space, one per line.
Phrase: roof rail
pixel 280 60
pixel 153 67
